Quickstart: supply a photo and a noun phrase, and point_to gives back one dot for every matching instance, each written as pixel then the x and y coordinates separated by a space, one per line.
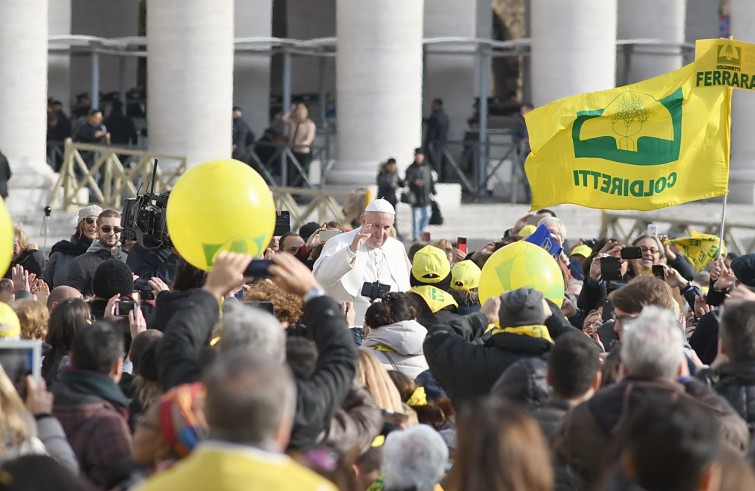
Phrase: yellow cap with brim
pixel 430 265
pixel 465 276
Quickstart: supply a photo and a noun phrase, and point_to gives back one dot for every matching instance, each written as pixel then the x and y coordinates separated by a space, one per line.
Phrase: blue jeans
pixel 420 219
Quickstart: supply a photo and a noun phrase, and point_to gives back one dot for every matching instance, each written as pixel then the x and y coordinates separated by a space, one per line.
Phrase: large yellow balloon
pixel 6 237
pixel 221 205
pixel 522 265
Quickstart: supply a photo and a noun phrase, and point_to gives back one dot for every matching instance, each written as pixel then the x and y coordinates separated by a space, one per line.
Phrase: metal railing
pixel 313 205
pixel 278 164
pixel 107 175
pixel 625 226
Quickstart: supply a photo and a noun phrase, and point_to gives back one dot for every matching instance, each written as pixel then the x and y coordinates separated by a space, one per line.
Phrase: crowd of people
pixel 356 364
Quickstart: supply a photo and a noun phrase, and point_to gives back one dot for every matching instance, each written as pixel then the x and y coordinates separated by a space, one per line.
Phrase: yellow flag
pixel 656 143
pixel 700 249
pixel 725 62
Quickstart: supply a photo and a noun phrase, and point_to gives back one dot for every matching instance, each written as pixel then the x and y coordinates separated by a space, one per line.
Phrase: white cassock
pixel 343 273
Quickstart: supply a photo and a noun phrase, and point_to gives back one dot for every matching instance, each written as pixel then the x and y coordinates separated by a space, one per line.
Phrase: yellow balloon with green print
pixel 220 205
pixel 522 265
pixel 7 237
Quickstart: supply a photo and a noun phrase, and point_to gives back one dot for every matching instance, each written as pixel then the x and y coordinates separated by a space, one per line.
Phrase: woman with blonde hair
pixel 378 383
pixel 499 448
pixel 25 254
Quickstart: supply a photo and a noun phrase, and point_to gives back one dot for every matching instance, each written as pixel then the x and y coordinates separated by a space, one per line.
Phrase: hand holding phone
pixel 461 244
pixel 258 268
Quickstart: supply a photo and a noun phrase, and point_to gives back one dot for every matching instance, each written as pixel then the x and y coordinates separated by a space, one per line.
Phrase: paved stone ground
pixel 483 222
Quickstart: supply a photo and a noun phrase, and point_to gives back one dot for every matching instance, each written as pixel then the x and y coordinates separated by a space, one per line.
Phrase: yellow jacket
pixel 227 467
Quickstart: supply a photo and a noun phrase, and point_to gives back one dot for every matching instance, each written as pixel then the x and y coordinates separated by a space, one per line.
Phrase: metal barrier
pixel 462 159
pixel 278 164
pixel 627 225
pixel 99 170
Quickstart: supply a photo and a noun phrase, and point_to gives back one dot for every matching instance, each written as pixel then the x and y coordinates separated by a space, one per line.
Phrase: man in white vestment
pixel 366 255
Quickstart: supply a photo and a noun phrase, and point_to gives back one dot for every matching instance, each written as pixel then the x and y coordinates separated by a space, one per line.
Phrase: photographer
pixel 147 264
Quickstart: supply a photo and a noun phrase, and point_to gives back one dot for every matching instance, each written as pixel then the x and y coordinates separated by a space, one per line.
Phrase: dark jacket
pixel 735 382
pixel 32 260
pixel 317 397
pixel 550 416
pixel 467 370
pixel 121 128
pixel 584 441
pixel 437 127
pixel 524 383
pixel 148 264
pixel 385 183
pixel 419 178
pixel 81 271
pixel 91 408
pixel 5 175
pixel 61 256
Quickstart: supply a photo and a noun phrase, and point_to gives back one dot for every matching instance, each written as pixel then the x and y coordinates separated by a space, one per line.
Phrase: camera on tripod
pixel 144 218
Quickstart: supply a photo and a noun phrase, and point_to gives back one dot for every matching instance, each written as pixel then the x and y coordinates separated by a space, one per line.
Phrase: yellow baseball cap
pixel 10 327
pixel 581 250
pixel 465 275
pixel 527 230
pixel 430 265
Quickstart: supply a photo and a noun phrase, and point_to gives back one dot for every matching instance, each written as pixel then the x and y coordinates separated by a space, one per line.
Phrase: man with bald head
pixel 60 293
pixel 366 259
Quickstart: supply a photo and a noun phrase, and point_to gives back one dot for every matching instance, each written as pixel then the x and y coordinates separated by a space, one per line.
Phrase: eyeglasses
pixel 651 250
pixel 89 220
pixel 107 229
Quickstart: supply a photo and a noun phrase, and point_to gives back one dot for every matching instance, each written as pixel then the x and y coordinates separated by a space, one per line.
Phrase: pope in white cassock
pixel 364 255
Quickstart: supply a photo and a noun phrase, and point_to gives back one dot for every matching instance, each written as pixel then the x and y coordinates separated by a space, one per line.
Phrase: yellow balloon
pixel 522 265
pixel 221 205
pixel 6 237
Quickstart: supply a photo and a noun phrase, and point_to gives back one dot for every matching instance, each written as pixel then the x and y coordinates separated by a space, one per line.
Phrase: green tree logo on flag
pixel 634 128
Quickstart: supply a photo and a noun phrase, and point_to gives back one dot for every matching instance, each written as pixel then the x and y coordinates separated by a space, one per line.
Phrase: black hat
pixel 521 307
pixel 744 269
pixel 419 150
pixel 111 278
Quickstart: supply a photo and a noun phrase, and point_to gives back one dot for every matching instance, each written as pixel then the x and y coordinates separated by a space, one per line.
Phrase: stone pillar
pixel 23 99
pixel 190 77
pixel 650 19
pixel 379 86
pixel 742 163
pixel 251 72
pixel 573 47
pixel 59 64
pixel 454 78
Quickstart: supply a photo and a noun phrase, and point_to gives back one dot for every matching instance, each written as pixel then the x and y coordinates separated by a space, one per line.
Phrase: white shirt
pixel 343 273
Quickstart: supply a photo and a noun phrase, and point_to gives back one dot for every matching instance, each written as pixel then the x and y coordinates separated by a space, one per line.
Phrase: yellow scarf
pixel 536 331
pixel 434 297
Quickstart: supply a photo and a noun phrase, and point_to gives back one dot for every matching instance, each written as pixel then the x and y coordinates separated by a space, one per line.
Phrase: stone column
pixel 190 81
pixel 23 101
pixel 650 19
pixel 379 86
pixel 454 78
pixel 251 72
pixel 573 47
pixel 59 64
pixel 742 163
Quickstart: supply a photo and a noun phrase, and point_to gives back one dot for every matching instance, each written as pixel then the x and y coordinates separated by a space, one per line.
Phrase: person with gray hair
pixel 414 458
pixel 652 345
pixel 655 371
pixel 250 407
pixel 246 326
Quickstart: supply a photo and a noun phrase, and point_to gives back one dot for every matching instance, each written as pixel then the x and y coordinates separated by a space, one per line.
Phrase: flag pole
pixel 721 230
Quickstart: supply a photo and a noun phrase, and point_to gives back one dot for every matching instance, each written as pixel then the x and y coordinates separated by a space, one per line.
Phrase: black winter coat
pixel 419 178
pixel 467 370
pixel 81 271
pixel 735 382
